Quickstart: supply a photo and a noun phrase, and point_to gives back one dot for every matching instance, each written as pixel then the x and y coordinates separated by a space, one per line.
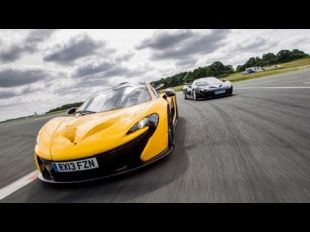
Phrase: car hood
pixel 74 137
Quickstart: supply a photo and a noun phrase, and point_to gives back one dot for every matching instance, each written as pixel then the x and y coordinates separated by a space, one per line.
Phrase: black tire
pixel 171 131
pixel 176 109
pixel 194 95
pixel 185 96
pixel 231 91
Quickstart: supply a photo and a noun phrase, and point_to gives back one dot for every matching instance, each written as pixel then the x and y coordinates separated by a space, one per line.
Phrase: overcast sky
pixel 43 69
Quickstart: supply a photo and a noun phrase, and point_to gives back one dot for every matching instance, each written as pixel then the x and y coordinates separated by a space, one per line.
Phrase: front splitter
pixel 122 172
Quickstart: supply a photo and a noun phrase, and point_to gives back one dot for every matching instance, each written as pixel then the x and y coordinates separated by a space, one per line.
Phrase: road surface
pixel 251 147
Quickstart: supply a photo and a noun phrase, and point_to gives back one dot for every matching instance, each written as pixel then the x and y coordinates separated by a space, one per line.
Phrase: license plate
pixel 219 92
pixel 73 166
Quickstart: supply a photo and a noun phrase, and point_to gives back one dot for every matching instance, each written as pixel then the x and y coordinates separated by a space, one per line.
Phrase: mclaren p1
pixel 207 87
pixel 114 131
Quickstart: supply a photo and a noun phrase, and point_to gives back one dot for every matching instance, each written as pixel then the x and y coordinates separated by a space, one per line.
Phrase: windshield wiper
pixel 85 112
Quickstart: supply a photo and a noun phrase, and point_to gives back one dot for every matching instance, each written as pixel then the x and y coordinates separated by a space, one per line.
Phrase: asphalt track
pixel 251 147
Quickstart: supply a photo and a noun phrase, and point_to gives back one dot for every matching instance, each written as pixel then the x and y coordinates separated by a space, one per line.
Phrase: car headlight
pixel 204 89
pixel 149 121
pixel 228 83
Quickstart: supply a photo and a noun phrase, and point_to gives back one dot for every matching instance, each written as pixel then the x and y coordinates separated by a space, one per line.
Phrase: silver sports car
pixel 207 87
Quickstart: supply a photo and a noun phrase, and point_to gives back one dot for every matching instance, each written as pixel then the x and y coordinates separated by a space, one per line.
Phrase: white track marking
pixel 276 87
pixel 13 187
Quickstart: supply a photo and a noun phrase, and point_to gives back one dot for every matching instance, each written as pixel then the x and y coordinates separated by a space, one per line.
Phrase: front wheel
pixel 231 91
pixel 185 96
pixel 194 95
pixel 171 131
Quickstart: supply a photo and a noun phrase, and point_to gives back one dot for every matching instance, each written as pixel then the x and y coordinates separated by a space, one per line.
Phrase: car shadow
pixel 214 98
pixel 124 187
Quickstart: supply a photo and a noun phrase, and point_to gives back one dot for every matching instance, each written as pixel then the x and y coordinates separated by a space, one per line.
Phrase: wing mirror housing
pixel 169 92
pixel 71 110
pixel 189 85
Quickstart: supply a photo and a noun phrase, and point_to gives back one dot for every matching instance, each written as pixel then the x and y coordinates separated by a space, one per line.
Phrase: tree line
pixel 218 69
pixel 271 59
pixel 65 107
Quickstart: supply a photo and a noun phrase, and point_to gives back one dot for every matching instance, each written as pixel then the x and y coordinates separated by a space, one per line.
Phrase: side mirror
pixel 224 80
pixel 169 92
pixel 71 110
pixel 189 85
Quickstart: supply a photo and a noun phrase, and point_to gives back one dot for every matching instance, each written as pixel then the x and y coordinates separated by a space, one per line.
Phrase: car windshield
pixel 208 81
pixel 115 98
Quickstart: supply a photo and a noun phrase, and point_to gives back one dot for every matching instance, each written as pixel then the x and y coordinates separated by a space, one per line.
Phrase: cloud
pixel 39 35
pixel 90 68
pixel 180 45
pixel 125 57
pixel 105 68
pixel 117 71
pixel 12 77
pixel 14 52
pixel 28 45
pixel 163 40
pixel 257 44
pixel 98 74
pixel 299 40
pixel 5 94
pixel 80 86
pixel 190 62
pixel 77 47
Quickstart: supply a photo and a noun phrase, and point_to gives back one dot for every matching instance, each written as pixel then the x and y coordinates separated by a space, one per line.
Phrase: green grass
pixel 282 68
pixel 300 62
pixel 178 88
pixel 34 116
pixel 55 112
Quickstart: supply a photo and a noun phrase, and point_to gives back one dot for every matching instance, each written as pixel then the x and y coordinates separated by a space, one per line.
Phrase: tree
pixel 296 54
pixel 65 107
pixel 284 56
pixel 239 68
pixel 258 61
pixel 229 69
pixel 251 62
pixel 269 59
